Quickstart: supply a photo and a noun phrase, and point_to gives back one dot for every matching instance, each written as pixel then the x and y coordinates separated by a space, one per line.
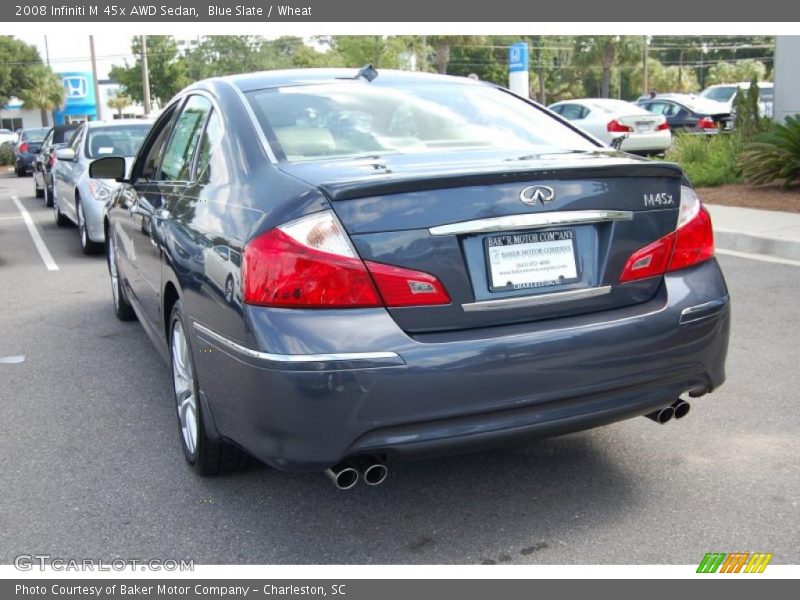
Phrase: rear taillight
pixel 310 263
pixel 52 159
pixel 706 123
pixel 662 126
pixel 404 287
pixel 691 243
pixel 24 147
pixel 615 126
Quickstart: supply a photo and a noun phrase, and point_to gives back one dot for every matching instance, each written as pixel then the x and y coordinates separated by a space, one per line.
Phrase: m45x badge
pixel 660 199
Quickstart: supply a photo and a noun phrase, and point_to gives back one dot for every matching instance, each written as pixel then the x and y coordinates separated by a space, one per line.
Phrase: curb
pixel 739 241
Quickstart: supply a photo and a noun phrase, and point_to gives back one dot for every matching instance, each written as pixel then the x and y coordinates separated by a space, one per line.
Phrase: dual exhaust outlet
pixel 346 475
pixel 678 409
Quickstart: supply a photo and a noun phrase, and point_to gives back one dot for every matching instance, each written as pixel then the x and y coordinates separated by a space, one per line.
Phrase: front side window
pixel 340 120
pixel 177 163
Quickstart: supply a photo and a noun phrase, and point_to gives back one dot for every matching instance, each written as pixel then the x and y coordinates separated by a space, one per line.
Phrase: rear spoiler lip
pixel 382 185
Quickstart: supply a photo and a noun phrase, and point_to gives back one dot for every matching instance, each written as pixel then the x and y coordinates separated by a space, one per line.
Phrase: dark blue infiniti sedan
pixel 343 266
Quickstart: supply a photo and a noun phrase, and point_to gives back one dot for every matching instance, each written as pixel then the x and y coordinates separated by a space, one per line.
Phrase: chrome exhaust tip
pixel 375 472
pixel 661 416
pixel 343 476
pixel 681 408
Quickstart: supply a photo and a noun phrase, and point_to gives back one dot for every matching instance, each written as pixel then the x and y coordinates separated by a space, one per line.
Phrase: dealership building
pixel 79 104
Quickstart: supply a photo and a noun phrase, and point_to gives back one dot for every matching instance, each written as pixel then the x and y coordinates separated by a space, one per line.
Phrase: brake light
pixel 52 160
pixel 691 243
pixel 404 287
pixel 615 126
pixel 24 147
pixel 706 123
pixel 310 263
pixel 662 126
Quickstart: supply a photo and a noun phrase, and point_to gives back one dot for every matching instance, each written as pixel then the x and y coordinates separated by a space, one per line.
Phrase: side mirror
pixel 110 167
pixel 65 154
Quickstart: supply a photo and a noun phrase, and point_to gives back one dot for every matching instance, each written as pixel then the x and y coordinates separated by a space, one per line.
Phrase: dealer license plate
pixel 531 260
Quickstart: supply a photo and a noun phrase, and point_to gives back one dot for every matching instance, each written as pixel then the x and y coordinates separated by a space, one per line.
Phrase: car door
pixel 66 175
pixel 154 199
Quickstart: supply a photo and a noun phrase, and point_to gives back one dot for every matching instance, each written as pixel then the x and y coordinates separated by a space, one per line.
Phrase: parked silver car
pixel 77 197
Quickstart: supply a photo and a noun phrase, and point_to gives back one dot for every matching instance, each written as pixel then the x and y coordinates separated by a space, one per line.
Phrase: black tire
pixel 61 220
pixel 21 172
pixel 122 307
pixel 37 191
pixel 208 457
pixel 228 292
pixel 87 245
pixel 48 196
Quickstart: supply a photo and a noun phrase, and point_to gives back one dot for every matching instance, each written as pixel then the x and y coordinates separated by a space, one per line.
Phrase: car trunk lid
pixel 511 238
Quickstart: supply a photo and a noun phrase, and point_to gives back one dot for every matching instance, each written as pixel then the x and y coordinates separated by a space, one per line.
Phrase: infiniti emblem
pixel 537 193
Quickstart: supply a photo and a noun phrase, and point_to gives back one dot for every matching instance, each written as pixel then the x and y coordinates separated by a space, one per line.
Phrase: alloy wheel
pixel 183 381
pixel 112 269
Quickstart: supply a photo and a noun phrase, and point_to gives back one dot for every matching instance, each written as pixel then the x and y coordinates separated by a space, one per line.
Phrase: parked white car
pixel 609 120
pixel 727 92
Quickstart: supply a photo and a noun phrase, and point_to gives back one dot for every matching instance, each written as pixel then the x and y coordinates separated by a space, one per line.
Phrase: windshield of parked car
pixel 341 120
pixel 35 135
pixel 720 94
pixel 115 140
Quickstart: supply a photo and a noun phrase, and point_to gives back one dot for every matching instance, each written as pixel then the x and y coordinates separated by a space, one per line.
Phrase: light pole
pixel 645 71
pixel 96 85
pixel 145 78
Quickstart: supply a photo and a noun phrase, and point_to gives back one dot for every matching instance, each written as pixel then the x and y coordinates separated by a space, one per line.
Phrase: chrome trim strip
pixel 532 221
pixel 541 300
pixel 364 359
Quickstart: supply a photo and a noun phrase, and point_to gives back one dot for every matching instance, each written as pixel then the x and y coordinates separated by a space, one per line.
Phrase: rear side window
pixel 340 120
pixel 178 157
pixel 212 135
pixel 63 136
pixel 573 112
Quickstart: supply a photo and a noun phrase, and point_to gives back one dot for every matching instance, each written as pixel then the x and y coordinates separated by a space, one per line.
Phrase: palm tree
pixel 43 90
pixel 119 101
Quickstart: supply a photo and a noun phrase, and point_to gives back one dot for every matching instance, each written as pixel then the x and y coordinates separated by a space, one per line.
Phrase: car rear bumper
pixel 25 161
pixel 329 385
pixel 657 141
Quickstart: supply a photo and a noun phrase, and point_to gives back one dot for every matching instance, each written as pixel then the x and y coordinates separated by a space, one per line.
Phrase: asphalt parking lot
pixel 90 462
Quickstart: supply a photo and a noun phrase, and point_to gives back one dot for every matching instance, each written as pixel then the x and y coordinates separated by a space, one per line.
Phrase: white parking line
pixel 47 258
pixel 761 257
pixel 14 218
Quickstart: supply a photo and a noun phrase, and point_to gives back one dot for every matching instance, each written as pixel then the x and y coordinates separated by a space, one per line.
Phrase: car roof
pixel 248 82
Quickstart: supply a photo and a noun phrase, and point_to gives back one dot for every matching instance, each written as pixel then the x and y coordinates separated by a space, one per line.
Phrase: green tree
pixel 16 61
pixel 604 52
pixel 43 90
pixel 379 50
pixel 743 70
pixel 664 78
pixel 119 102
pixel 166 66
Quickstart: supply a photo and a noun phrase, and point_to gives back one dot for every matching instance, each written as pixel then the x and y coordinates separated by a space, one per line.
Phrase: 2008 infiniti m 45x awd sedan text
pixel 341 267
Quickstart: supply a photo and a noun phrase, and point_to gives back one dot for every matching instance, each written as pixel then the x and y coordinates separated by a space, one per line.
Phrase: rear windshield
pixel 720 94
pixel 116 140
pixel 341 120
pixel 35 135
pixel 64 136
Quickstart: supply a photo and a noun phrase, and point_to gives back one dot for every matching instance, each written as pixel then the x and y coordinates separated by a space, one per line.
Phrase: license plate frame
pixel 526 238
